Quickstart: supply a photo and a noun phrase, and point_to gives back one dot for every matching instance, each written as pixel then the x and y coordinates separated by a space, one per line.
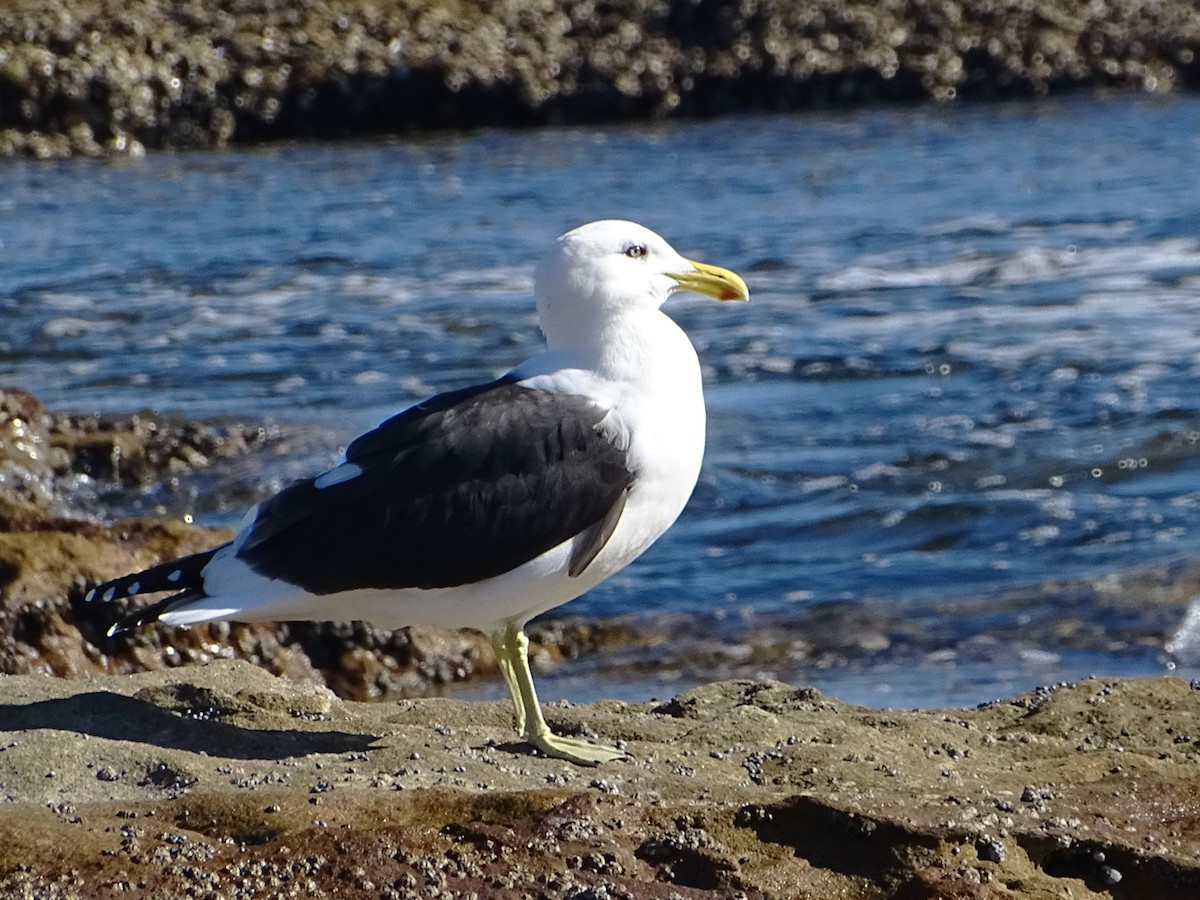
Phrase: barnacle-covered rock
pixel 86 77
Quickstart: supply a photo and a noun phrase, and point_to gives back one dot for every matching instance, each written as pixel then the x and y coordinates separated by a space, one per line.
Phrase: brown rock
pixel 216 779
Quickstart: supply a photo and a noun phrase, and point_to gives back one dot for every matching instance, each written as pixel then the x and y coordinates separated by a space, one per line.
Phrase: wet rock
pixel 77 80
pixel 27 459
pixel 117 464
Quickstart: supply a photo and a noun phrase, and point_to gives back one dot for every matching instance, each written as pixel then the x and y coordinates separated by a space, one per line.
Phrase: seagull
pixel 486 506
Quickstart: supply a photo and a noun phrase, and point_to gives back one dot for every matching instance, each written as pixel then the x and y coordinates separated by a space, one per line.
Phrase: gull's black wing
pixel 465 486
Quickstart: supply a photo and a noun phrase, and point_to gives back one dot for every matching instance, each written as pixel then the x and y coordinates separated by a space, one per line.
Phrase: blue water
pixel 969 367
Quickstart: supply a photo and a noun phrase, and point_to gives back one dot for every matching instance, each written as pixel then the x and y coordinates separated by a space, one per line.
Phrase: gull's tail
pixel 185 576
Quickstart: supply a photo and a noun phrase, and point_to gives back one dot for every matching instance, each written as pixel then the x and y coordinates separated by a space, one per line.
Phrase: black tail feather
pixel 175 575
pixel 180 575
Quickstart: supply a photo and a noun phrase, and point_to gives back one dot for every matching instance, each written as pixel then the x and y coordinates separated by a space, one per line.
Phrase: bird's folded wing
pixel 465 486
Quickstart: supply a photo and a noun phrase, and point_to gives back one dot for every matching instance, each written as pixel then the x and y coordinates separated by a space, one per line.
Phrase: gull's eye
pixel 635 251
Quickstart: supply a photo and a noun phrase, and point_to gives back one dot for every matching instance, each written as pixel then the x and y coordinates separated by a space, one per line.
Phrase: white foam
pixel 1184 643
pixel 73 326
pixel 870 277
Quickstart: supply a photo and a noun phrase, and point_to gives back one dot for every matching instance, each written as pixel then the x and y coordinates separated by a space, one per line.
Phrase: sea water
pixel 968 373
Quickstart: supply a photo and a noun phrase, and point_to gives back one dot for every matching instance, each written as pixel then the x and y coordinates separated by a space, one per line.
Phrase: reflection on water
pixel 969 367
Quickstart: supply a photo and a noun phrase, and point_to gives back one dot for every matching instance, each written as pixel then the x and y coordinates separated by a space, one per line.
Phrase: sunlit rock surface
pixel 224 781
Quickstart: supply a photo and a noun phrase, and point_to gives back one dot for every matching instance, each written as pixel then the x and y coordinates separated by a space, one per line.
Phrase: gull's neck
pixel 635 345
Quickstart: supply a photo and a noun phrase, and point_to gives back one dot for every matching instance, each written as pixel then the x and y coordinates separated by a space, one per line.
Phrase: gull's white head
pixel 600 270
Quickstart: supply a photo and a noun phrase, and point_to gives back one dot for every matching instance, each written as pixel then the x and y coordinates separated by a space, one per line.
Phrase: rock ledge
pixel 224 781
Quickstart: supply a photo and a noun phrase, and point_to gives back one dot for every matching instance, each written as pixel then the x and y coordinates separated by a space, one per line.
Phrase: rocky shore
pixel 232 761
pixel 93 76
pixel 222 781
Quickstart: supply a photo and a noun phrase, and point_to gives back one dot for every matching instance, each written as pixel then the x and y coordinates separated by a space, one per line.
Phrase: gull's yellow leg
pixel 510 678
pixel 512 651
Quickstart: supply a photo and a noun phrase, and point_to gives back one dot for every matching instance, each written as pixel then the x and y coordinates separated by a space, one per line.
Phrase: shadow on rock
pixel 120 718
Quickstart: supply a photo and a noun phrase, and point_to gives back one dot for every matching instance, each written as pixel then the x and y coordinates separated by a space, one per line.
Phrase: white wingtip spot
pixel 113 629
pixel 109 594
pixel 175 576
pixel 342 473
pixel 135 587
pixel 89 596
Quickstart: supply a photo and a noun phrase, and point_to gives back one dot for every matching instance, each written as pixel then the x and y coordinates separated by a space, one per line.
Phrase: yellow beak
pixel 712 281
